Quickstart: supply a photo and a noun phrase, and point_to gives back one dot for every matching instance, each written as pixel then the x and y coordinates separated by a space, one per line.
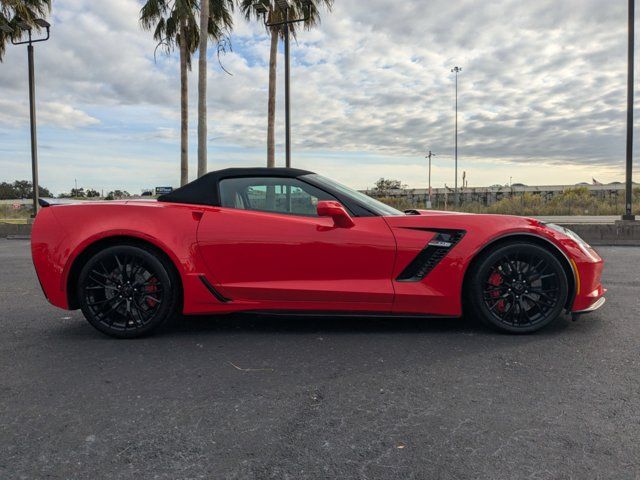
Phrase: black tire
pixel 517 288
pixel 127 291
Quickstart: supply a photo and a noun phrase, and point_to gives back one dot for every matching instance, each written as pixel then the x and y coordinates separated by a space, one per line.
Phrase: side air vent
pixel 221 298
pixel 430 256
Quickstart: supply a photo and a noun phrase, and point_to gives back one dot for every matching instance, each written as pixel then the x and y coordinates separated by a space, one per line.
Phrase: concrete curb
pixel 608 234
pixel 596 234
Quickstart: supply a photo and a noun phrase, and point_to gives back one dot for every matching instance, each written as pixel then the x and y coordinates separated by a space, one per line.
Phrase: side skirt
pixel 334 314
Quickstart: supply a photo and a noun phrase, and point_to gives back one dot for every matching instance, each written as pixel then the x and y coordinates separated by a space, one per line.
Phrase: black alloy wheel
pixel 127 291
pixel 518 288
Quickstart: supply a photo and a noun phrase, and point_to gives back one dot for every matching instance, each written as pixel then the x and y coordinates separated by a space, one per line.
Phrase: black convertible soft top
pixel 204 190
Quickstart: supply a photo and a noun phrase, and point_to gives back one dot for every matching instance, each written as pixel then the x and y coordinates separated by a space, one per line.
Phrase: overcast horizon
pixel 542 96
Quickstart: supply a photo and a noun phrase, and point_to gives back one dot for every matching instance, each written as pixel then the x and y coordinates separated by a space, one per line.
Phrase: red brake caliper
pixel 151 288
pixel 496 280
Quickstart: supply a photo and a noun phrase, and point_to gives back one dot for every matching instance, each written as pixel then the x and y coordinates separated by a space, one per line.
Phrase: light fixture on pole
pixel 431 154
pixel 285 6
pixel 456 70
pixel 26 27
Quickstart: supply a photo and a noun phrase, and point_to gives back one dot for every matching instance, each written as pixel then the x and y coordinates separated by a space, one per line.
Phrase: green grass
pixel 576 201
pixel 8 214
pixel 14 221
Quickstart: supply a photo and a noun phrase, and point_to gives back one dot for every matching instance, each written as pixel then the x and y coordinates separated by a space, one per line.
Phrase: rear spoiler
pixel 52 202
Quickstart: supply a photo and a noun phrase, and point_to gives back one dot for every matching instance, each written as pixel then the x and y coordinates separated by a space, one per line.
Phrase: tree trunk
pixel 184 110
pixel 271 114
pixel 202 88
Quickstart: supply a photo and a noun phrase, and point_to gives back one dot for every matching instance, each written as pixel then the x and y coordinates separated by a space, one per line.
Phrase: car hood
pixel 489 224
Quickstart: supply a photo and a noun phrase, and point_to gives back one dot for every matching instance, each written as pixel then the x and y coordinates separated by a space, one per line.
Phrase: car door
pixel 268 244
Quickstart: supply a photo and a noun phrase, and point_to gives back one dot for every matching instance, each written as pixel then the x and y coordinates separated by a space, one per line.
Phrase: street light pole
pixel 628 215
pixel 456 70
pixel 34 137
pixel 32 101
pixel 431 154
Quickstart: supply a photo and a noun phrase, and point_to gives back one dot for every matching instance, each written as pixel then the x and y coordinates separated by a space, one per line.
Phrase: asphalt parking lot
pixel 257 398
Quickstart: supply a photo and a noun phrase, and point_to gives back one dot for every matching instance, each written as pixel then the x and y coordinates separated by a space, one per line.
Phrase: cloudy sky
pixel 542 95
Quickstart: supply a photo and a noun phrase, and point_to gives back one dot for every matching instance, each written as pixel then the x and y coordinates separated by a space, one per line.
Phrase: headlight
pixel 571 234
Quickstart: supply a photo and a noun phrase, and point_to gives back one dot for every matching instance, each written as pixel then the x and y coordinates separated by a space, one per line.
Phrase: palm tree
pixel 14 11
pixel 202 91
pixel 174 23
pixel 215 17
pixel 252 9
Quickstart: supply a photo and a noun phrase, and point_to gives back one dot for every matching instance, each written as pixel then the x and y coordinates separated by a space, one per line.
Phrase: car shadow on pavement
pixel 300 324
pixel 250 324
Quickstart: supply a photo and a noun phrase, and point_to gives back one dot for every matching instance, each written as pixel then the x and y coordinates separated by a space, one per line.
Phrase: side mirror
pixel 329 208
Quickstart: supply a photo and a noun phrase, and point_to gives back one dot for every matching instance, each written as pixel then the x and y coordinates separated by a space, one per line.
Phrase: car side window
pixel 267 194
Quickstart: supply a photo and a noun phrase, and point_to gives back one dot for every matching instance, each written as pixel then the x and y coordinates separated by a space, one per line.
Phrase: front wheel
pixel 518 288
pixel 127 291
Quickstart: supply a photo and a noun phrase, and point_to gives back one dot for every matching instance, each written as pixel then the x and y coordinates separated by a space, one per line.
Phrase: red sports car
pixel 287 240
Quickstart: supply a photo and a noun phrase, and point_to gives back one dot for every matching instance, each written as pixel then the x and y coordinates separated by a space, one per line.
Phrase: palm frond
pixel 224 45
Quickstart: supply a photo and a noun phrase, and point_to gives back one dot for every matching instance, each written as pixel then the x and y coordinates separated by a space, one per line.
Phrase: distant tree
pixel 6 191
pixel 90 193
pixel 117 194
pixel 20 189
pixel 383 187
pixel 23 188
pixel 78 193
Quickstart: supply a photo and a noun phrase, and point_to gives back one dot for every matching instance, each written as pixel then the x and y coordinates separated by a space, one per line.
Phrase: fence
pixel 518 199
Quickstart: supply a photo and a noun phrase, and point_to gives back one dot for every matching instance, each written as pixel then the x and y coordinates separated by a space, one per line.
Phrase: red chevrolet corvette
pixel 286 240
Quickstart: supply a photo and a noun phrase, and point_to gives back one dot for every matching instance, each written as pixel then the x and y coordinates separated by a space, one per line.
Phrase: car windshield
pixel 366 201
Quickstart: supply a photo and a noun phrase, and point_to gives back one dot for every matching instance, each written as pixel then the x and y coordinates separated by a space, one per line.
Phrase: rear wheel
pixel 127 291
pixel 518 288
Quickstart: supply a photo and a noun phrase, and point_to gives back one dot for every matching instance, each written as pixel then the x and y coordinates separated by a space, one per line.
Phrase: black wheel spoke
pixel 114 305
pixel 100 302
pixel 157 300
pixel 103 275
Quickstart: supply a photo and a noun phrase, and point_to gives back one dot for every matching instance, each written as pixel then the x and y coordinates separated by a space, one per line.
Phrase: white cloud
pixel 65 116
pixel 543 83
pixel 53 114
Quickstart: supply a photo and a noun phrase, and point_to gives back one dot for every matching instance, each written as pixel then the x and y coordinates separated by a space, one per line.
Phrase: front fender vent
pixel 431 255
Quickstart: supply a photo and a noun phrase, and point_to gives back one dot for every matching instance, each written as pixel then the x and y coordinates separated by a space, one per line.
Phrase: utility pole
pixel 431 154
pixel 456 70
pixel 628 214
